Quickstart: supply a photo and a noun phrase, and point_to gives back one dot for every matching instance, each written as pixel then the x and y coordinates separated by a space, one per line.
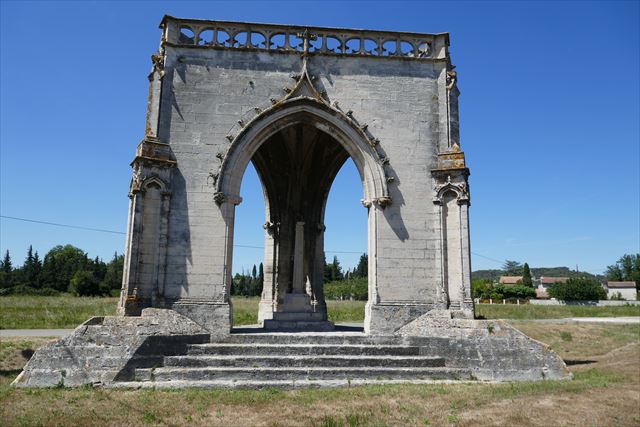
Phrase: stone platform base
pixel 166 349
pixel 298 315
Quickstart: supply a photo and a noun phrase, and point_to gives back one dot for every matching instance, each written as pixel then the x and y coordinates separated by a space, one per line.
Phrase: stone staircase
pixel 298 360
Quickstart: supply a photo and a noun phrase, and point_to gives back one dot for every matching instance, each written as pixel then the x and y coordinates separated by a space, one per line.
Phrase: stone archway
pixel 297 149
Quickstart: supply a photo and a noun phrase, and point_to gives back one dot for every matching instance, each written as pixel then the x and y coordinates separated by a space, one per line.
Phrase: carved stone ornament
pixel 218 197
pixel 452 77
pixel 461 189
pixel 136 182
pixel 383 201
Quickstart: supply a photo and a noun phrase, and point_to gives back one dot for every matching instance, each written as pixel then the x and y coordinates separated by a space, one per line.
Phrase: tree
pixel 578 289
pixel 526 276
pixel 31 269
pixel 333 271
pixel 60 264
pixel 113 275
pixel 513 292
pixel 84 283
pixel 512 268
pixel 481 288
pixel 261 273
pixel 6 277
pixel 627 268
pixel 6 265
pixel 254 272
pixel 362 269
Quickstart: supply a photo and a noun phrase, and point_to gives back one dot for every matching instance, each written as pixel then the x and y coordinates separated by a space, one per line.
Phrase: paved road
pixel 10 333
pixel 629 320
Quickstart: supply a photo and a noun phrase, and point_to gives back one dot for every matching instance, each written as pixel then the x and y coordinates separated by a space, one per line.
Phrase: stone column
pixel 128 305
pixel 298 285
pixel 268 300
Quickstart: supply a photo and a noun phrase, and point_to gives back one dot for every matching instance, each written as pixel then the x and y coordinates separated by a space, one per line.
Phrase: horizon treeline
pixel 251 283
pixel 64 269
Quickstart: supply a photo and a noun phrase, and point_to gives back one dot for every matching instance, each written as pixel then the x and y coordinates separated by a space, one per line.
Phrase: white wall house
pixel 626 289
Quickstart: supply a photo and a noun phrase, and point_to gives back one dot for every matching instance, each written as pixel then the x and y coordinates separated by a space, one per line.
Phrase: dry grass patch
pixel 580 341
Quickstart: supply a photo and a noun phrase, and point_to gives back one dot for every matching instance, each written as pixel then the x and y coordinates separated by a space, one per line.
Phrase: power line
pixel 102 230
pixel 489 258
pixel 79 227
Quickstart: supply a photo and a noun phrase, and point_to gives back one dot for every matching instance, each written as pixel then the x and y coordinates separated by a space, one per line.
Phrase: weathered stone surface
pixel 107 349
pixel 491 349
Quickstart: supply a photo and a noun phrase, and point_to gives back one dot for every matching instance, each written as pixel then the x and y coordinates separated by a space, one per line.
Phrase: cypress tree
pixel 526 276
pixel 7 267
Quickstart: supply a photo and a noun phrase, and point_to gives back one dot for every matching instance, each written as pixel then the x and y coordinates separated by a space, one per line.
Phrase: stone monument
pixel 297 102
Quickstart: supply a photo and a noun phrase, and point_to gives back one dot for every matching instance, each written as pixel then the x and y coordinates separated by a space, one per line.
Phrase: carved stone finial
pixel 452 77
pixel 213 176
pixel 218 197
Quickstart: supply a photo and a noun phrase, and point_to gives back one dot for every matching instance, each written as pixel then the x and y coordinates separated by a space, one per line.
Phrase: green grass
pixel 527 311
pixel 65 312
pixel 346 311
pixel 245 310
pixel 59 312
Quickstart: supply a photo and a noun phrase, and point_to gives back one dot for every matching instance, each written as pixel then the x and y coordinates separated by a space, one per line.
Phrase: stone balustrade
pixel 302 39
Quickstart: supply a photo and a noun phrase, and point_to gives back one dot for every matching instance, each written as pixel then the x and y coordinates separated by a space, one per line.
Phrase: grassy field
pixel 245 311
pixel 37 312
pixel 605 392
pixel 66 312
pixel 526 311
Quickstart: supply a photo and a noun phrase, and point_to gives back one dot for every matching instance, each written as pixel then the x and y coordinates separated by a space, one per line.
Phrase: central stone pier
pixel 298 310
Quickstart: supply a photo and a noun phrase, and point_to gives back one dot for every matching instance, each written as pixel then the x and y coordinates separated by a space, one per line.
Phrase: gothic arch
pixel 325 118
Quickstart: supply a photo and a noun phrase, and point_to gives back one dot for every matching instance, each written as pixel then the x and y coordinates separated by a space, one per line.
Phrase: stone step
pixel 299 316
pixel 314 338
pixel 302 349
pixel 230 374
pixel 337 361
pixel 298 325
pixel 283 384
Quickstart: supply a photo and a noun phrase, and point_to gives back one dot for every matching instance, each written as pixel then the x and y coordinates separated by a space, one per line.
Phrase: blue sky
pixel 550 111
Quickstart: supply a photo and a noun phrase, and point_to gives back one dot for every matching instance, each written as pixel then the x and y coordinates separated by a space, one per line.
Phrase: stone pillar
pixel 372 297
pixel 129 304
pixel 269 298
pixel 298 285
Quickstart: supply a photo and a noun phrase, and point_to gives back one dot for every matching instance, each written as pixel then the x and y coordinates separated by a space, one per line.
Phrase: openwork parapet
pixel 312 40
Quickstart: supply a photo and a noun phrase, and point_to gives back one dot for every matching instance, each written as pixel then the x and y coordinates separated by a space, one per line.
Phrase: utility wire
pixel 490 259
pixel 101 230
pixel 79 227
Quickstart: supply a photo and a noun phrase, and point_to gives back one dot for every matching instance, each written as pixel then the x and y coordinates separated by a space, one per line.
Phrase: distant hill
pixel 494 275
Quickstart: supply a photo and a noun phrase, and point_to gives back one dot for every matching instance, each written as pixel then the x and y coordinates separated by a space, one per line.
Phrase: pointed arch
pixel 309 111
